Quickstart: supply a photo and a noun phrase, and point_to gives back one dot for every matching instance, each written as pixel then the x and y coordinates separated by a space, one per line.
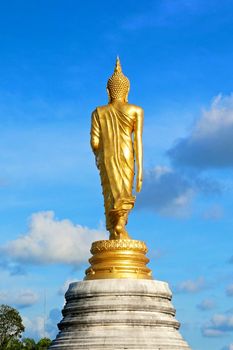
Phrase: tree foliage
pixel 29 344
pixel 11 329
pixel 13 344
pixel 43 344
pixel 11 326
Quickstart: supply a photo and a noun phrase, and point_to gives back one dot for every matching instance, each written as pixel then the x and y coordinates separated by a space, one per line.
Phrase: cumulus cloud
pixel 170 192
pixel 229 290
pixel 50 241
pixel 20 300
pixel 35 328
pixel 53 319
pixel 210 143
pixel 219 325
pixel 166 192
pixel 42 326
pixel 206 304
pixel 191 286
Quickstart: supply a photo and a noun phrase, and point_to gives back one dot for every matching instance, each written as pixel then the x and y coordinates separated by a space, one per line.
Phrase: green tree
pixel 43 344
pixel 29 344
pixel 13 344
pixel 11 326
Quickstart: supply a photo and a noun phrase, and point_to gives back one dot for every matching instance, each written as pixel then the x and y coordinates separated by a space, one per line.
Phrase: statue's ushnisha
pixel 116 140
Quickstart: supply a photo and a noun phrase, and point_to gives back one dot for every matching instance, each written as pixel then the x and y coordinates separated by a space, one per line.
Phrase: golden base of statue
pixel 123 258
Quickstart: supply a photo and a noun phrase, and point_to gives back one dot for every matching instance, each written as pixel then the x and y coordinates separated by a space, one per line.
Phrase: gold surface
pixel 108 245
pixel 118 259
pixel 116 140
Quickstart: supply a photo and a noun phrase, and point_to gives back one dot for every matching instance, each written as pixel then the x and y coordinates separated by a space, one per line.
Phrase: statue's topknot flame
pixel 118 85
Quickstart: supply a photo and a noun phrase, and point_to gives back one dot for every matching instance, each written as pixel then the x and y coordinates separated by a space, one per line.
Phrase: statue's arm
pixel 95 132
pixel 138 147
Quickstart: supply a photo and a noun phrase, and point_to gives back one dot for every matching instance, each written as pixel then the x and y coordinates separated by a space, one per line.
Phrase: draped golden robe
pixel 112 130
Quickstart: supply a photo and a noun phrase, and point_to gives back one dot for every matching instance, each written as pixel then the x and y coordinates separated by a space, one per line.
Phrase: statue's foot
pixel 120 232
pixel 113 235
pixel 124 235
pixel 121 235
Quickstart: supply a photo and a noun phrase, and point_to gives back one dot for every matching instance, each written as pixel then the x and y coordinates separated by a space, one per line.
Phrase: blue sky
pixel 55 59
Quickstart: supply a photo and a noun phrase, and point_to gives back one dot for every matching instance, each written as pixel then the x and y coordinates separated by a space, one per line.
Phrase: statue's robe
pixel 113 129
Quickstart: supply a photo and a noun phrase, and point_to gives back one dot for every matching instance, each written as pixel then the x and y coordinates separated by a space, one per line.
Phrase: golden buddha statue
pixel 116 140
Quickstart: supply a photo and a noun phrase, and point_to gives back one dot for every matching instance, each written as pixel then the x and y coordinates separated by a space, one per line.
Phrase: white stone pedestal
pixel 116 314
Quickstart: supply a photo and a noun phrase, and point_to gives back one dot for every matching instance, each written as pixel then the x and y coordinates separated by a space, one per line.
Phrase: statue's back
pixel 126 109
pixel 117 152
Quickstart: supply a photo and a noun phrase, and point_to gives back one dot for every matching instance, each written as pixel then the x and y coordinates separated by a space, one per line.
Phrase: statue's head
pixel 118 85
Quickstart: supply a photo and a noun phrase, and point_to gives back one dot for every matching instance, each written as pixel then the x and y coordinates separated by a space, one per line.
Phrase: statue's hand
pixel 139 183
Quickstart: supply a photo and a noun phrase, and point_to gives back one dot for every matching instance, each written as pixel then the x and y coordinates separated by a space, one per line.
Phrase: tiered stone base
pixel 116 314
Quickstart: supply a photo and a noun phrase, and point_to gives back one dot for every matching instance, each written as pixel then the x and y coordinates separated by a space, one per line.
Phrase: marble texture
pixel 116 314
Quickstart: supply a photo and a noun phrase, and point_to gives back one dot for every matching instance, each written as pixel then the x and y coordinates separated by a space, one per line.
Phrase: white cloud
pixel 55 316
pixel 212 333
pixel 161 170
pixel 51 241
pixel 63 289
pixel 219 325
pixel 169 192
pixel 210 143
pixel 42 326
pixel 21 299
pixel 220 115
pixel 35 328
pixel 191 286
pixel 206 304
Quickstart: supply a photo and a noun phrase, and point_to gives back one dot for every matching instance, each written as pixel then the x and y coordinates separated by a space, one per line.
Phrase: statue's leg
pixel 108 202
pixel 120 226
pixel 118 218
